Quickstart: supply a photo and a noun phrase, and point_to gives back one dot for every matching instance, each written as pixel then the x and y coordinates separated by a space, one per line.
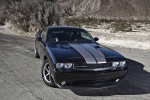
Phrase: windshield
pixel 69 35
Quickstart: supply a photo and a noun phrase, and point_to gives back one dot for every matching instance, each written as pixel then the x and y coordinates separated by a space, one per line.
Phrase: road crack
pixel 38 98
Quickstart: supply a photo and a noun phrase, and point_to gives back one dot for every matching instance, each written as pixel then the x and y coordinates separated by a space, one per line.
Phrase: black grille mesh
pixel 90 66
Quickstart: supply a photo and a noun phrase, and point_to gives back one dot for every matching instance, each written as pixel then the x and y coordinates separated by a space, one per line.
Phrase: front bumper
pixel 86 79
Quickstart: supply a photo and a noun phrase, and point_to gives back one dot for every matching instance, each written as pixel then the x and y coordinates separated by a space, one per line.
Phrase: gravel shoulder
pixel 20 75
pixel 137 39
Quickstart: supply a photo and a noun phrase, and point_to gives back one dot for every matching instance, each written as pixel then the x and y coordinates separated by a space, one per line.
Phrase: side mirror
pixel 38 38
pixel 96 39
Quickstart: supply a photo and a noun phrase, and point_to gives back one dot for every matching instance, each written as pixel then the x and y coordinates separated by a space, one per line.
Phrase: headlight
pixel 68 65
pixel 119 64
pixel 115 64
pixel 59 65
pixel 122 63
pixel 64 65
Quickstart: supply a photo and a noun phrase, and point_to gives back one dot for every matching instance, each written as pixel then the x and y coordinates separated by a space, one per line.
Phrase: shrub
pixel 2 20
pixel 33 13
pixel 90 22
pixel 121 25
pixel 82 21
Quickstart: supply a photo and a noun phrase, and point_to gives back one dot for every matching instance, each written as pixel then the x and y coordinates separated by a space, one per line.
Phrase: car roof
pixel 60 27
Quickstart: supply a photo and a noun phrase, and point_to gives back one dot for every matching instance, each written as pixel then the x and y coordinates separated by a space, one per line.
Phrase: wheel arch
pixel 45 58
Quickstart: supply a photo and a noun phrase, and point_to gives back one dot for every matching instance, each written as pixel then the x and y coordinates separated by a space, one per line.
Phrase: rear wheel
pixel 46 74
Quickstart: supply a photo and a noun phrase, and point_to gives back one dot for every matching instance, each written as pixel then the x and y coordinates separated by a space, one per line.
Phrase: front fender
pixel 50 55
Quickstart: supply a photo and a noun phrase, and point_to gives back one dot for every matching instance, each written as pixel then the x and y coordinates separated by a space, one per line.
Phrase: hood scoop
pixel 65 46
pixel 97 46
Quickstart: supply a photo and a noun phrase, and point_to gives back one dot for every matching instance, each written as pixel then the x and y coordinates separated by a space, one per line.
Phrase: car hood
pixel 90 53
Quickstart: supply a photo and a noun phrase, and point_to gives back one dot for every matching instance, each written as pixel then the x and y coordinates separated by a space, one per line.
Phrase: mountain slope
pixel 138 9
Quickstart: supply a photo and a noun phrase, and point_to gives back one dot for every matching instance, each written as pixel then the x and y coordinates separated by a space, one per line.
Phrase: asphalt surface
pixel 20 75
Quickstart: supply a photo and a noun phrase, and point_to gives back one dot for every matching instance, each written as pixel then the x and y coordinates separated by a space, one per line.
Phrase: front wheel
pixel 46 74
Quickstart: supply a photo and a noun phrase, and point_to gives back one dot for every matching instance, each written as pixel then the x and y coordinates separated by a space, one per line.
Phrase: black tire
pixel 36 54
pixel 48 80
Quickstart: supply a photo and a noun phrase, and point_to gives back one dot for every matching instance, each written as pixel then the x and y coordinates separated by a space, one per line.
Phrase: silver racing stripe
pixel 86 54
pixel 96 53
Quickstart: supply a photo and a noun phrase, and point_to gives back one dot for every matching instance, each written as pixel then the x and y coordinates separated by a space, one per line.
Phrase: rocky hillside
pixel 110 9
pixel 30 15
pixel 135 9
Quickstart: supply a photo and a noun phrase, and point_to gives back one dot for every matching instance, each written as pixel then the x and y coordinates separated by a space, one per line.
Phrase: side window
pixel 43 34
pixel 85 36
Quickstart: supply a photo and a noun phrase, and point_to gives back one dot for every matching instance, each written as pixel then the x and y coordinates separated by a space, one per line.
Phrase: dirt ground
pixel 20 75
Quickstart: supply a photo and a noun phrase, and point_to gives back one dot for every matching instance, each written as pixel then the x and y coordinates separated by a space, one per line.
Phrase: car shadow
pixel 136 82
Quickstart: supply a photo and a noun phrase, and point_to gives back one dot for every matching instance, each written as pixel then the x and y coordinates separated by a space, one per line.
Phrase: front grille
pixel 92 66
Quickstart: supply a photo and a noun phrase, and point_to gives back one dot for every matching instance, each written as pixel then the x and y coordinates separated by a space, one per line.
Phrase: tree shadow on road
pixel 136 82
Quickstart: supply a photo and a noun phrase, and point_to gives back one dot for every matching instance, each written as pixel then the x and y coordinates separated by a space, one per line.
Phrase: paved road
pixel 20 75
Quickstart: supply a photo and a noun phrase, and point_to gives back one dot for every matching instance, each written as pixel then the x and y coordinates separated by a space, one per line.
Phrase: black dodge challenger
pixel 72 57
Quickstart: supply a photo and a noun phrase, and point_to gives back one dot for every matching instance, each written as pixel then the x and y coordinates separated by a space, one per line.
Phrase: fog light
pixel 63 83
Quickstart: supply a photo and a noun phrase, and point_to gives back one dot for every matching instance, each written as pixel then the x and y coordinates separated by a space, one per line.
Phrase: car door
pixel 42 42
